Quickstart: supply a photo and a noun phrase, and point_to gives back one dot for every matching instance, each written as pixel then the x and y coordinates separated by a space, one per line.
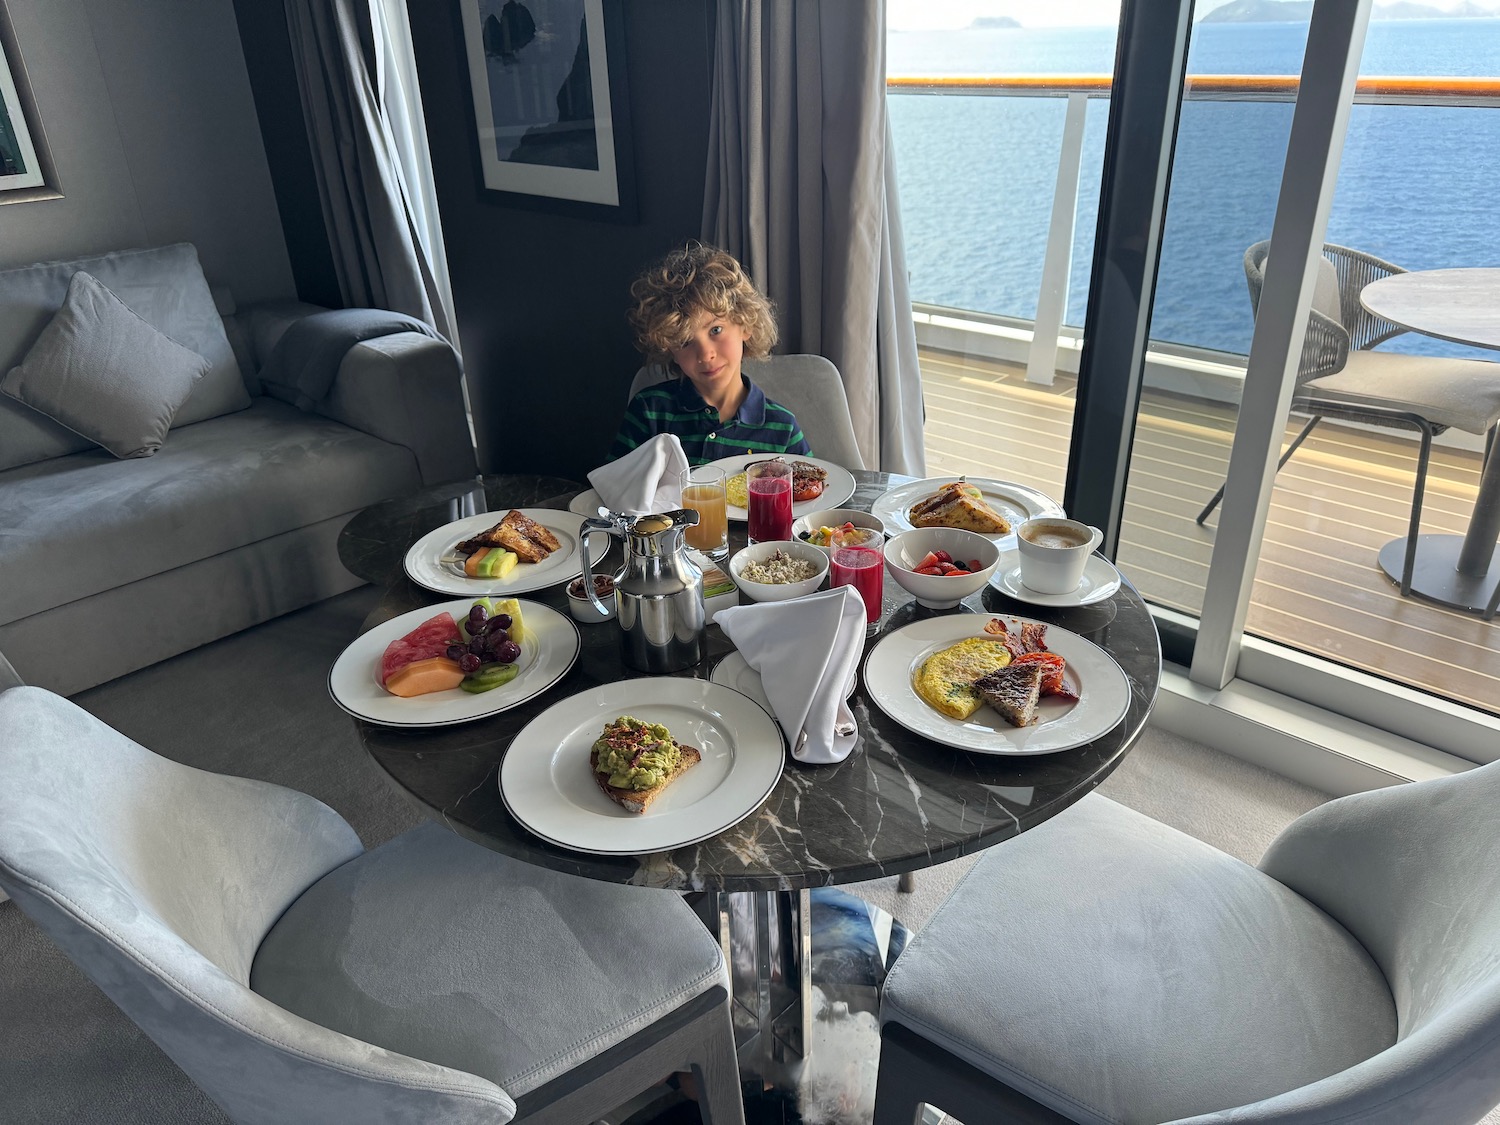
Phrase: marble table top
pixel 1461 305
pixel 899 802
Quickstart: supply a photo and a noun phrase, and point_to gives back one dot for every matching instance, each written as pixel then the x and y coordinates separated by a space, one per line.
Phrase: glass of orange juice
pixel 703 491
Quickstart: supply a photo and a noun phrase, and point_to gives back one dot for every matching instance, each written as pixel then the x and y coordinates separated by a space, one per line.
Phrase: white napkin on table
pixel 807 652
pixel 645 480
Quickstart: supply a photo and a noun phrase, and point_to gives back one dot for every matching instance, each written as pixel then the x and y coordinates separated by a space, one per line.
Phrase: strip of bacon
pixel 1032 637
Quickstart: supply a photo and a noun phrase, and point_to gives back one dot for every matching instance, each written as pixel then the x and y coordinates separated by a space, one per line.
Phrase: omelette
pixel 737 490
pixel 946 678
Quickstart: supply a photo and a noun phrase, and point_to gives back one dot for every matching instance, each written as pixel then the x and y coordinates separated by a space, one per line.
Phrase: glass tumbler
pixel 769 484
pixel 704 492
pixel 857 560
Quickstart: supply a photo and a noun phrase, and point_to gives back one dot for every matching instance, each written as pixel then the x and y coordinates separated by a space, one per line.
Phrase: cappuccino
pixel 1056 535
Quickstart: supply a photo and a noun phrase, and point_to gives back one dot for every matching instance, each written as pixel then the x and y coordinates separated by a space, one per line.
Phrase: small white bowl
pixel 583 610
pixel 903 552
pixel 834 517
pixel 781 591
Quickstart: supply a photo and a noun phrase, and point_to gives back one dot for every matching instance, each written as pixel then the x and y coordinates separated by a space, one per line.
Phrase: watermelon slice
pixel 429 639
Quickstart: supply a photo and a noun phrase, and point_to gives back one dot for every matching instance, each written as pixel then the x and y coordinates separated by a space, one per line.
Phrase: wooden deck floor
pixel 1341 497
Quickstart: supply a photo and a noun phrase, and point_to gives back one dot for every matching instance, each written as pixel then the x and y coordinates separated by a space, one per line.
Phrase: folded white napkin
pixel 807 652
pixel 645 480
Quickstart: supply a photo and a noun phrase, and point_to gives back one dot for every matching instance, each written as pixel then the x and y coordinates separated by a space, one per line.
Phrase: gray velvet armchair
pixel 298 978
pixel 1106 968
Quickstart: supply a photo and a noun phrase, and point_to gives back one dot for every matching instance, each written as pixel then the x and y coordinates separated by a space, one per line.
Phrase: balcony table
pixel 1461 306
pixel 900 803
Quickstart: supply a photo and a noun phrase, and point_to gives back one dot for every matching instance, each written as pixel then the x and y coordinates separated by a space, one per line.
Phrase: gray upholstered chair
pixel 807 385
pixel 297 978
pixel 1338 376
pixel 1106 968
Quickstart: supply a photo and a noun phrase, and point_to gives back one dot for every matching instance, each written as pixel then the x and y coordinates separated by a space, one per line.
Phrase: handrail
pixel 1374 90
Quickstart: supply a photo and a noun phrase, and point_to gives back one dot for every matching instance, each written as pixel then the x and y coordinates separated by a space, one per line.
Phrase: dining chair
pixel 1103 967
pixel 807 385
pixel 296 977
pixel 1339 376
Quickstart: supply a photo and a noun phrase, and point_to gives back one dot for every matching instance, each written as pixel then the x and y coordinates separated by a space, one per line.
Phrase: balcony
pixel 1000 405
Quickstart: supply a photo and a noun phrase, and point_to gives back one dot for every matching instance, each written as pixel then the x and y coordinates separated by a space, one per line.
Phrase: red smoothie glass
pixel 857 561
pixel 769 484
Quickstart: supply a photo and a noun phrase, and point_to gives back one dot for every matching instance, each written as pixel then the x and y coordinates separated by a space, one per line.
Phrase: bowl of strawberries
pixel 941 566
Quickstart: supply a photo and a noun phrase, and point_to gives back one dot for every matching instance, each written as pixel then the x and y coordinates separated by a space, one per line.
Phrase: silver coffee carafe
pixel 659 593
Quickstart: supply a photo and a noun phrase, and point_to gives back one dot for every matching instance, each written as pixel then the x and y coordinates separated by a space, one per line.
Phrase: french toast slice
pixel 959 504
pixel 520 534
pixel 639 800
pixel 1014 691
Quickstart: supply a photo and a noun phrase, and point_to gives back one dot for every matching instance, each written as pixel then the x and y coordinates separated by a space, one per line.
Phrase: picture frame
pixel 26 169
pixel 550 105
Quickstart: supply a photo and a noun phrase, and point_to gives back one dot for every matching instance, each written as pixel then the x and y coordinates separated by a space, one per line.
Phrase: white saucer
pixel 1100 580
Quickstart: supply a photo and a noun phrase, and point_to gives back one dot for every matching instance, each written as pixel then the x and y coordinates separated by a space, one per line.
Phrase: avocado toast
pixel 634 762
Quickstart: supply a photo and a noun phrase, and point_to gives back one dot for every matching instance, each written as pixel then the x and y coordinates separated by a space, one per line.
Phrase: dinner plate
pixel 734 671
pixel 1016 502
pixel 550 648
pixel 433 564
pixel 837 488
pixel 1100 581
pixel 586 503
pixel 548 785
pixel 1103 691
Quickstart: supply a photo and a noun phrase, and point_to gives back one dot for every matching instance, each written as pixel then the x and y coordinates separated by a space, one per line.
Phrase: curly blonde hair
pixel 672 293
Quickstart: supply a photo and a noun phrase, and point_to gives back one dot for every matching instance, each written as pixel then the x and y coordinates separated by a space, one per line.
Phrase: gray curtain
pixel 802 189
pixel 377 252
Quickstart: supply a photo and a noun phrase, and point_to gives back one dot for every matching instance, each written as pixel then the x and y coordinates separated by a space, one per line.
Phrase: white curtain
pixel 802 189
pixel 364 118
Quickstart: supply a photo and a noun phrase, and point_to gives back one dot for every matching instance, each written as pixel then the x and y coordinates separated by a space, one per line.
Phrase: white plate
pixel 550 649
pixel 587 503
pixel 1103 691
pixel 1100 581
pixel 433 564
pixel 547 785
pixel 1016 502
pixel 837 488
pixel 734 671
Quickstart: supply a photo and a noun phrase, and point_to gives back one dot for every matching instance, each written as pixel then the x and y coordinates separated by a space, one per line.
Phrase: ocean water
pixel 976 174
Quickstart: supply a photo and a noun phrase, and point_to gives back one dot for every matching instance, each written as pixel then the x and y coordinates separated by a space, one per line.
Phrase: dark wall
pixel 541 298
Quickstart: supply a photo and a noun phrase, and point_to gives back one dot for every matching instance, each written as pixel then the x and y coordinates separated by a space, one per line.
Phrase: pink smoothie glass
pixel 857 561
pixel 769 484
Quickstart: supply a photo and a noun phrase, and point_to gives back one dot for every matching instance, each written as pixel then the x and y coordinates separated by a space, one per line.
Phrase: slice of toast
pixel 517 533
pixel 639 800
pixel 959 505
pixel 1013 691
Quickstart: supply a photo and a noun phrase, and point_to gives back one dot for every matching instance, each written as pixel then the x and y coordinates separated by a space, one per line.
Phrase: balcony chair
pixel 296 977
pixel 1338 376
pixel 1106 968
pixel 807 385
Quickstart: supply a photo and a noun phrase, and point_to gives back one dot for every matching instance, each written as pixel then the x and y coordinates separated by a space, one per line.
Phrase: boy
pixel 698 314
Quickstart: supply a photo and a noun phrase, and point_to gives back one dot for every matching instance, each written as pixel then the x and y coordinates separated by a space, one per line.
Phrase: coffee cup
pixel 1054 552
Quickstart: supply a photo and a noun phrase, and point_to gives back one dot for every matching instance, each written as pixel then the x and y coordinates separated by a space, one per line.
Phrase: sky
pixel 909 15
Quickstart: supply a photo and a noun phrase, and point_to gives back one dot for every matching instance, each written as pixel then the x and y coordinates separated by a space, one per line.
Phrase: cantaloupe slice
pixel 471 564
pixel 436 673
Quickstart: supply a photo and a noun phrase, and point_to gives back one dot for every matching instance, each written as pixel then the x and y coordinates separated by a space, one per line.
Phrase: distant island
pixel 1300 11
pixel 989 23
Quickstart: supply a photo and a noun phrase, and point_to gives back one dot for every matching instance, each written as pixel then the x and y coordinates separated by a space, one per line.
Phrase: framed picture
pixel 550 104
pixel 26 171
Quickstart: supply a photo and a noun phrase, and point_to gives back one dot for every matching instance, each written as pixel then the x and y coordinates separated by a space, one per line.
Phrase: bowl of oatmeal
pixel 776 571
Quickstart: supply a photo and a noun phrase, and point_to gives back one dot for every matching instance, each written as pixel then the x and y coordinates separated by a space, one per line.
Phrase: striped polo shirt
pixel 676 407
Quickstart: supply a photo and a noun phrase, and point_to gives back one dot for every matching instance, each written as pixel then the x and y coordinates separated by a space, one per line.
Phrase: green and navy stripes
pixel 675 407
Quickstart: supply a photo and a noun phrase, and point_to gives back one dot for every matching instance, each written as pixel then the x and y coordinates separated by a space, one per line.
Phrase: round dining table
pixel 899 803
pixel 1463 307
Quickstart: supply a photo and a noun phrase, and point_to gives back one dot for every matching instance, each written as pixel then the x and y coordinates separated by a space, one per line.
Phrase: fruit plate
pixel 550 648
pixel 1103 691
pixel 548 785
pixel 837 488
pixel 433 564
pixel 1016 502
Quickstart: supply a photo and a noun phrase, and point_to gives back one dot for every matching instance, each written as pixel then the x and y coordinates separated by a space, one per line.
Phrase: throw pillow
pixel 104 373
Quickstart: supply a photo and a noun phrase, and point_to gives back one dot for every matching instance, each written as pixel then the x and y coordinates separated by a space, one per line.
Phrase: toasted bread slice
pixel 1013 691
pixel 517 533
pixel 959 505
pixel 639 800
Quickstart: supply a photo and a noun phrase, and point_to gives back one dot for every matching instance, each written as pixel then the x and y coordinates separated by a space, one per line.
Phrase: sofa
pixel 111 562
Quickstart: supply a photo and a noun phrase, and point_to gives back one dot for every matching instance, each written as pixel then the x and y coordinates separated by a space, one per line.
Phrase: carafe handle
pixel 589 527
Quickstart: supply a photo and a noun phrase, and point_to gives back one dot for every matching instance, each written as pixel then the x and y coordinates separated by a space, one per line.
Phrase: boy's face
pixel 711 357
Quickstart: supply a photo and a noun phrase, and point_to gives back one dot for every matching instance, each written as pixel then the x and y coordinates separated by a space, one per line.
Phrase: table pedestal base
pixel 805 972
pixel 1435 575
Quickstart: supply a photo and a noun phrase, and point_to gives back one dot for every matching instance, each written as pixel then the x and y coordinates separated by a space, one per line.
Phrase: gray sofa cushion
pixel 165 286
pixel 73 526
pixel 103 372
pixel 436 948
pixel 1052 969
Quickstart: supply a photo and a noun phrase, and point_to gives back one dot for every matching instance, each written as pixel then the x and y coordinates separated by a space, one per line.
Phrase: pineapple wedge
pixel 512 607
